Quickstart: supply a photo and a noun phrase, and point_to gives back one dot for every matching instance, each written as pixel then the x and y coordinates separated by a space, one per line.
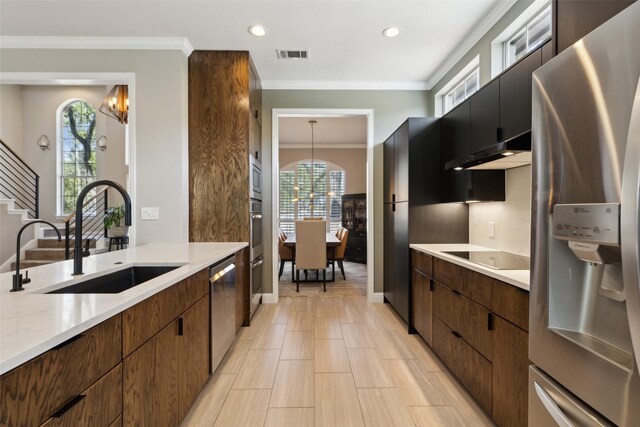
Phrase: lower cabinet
pixel 164 376
pixel 143 367
pixel 478 327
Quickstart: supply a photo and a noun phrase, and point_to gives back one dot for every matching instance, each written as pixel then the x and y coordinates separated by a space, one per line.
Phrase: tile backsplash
pixel 511 218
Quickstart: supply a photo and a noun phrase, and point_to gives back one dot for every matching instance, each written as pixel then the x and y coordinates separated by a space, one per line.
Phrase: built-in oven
pixel 255 178
pixel 255 229
pixel 255 253
pixel 256 283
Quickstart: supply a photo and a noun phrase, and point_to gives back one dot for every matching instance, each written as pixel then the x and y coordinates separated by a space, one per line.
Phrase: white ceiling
pixel 328 132
pixel 343 37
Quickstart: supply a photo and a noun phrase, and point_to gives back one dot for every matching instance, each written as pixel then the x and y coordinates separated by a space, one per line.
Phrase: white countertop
pixel 32 322
pixel 518 278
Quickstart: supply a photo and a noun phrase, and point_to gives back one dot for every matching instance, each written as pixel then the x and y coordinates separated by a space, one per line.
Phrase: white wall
pixel 160 119
pixel 39 108
pixel 11 117
pixel 352 160
pixel 512 217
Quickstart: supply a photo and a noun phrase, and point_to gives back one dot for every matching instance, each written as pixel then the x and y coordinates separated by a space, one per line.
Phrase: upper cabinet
pixel 389 169
pixel 577 18
pixel 515 96
pixel 485 116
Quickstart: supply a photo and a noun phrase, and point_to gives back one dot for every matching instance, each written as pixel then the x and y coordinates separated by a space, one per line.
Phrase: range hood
pixel 507 154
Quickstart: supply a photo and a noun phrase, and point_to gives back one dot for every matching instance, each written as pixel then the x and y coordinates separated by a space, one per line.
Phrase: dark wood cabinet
pixel 389 253
pixel 577 18
pixel 422 295
pixel 509 377
pixel 194 354
pixel 515 95
pixel 479 330
pixel 151 381
pixel 354 219
pixel 456 132
pixel 161 393
pixel 401 160
pixel 400 266
pixel 485 117
pixel 36 390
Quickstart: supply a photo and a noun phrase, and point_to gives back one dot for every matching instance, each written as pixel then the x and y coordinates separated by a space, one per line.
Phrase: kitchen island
pixel 60 354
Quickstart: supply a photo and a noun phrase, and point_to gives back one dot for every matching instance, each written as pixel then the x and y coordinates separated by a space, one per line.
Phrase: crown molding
pixel 342 85
pixel 133 43
pixel 463 48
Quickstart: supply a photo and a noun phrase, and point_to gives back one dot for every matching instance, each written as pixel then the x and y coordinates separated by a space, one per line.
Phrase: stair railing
pixel 93 212
pixel 19 182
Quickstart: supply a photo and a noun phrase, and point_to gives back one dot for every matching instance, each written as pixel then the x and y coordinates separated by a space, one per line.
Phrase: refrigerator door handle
pixel 552 407
pixel 629 227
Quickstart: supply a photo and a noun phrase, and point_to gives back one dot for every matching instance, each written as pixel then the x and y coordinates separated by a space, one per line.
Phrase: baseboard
pixel 377 297
pixel 268 298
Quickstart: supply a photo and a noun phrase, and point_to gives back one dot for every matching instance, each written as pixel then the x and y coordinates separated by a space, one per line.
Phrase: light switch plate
pixel 492 230
pixel 149 213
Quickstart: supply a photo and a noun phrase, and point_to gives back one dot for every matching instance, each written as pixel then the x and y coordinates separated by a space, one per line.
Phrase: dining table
pixel 332 243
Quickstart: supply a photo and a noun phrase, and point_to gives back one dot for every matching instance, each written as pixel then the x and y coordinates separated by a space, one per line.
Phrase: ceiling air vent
pixel 292 54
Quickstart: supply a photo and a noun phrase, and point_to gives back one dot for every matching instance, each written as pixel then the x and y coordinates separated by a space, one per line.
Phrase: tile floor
pixel 331 359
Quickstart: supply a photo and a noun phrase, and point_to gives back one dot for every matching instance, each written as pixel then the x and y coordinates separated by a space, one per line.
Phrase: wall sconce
pixel 116 104
pixel 43 142
pixel 102 143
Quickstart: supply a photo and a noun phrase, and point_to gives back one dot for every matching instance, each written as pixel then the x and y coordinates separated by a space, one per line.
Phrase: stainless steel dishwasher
pixel 222 282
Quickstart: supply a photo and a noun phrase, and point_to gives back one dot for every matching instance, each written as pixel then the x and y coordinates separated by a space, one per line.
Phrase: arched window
pixel 77 145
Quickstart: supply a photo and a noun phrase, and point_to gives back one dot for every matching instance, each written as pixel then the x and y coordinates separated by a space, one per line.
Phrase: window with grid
pixel 462 90
pixel 528 37
pixel 287 207
pixel 336 190
pixel 78 153
pixel 295 191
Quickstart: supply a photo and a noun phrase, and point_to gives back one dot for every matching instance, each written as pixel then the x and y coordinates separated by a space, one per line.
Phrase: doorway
pixel 307 114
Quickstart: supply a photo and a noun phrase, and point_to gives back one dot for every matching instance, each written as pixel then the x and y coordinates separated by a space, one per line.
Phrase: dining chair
pixel 311 254
pixel 284 253
pixel 339 251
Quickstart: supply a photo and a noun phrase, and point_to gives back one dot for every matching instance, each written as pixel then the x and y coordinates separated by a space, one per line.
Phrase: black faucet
pixel 17 278
pixel 77 253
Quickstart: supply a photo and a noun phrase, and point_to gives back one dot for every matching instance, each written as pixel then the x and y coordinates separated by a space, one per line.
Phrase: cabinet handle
pixel 67 342
pixel 490 321
pixel 430 285
pixel 499 134
pixel 73 402
pixel 180 326
pixel 393 207
pixel 393 198
pixel 455 334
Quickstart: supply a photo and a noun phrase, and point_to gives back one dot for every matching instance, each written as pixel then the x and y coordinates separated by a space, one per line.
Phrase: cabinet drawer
pixel 464 316
pixel 36 390
pixel 145 319
pixel 422 262
pixel 511 303
pixel 422 305
pixel 473 370
pixel 97 406
pixel 473 285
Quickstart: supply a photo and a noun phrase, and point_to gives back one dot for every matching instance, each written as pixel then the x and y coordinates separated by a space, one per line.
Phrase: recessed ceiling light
pixel 257 30
pixel 391 32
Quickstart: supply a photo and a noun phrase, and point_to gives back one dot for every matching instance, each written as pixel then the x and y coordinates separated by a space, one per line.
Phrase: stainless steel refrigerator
pixel 585 302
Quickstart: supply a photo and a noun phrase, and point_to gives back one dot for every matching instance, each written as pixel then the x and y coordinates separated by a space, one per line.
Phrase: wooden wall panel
pixel 218 146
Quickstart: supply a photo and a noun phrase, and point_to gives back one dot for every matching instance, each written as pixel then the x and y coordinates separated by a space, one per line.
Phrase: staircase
pixel 49 250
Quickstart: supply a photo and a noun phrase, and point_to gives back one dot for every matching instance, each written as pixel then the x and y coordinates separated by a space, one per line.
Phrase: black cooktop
pixel 495 259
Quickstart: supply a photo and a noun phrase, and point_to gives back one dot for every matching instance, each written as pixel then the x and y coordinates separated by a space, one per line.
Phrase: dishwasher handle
pixel 220 269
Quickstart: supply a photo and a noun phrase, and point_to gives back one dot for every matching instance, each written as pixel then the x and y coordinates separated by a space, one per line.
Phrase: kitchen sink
pixel 116 282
